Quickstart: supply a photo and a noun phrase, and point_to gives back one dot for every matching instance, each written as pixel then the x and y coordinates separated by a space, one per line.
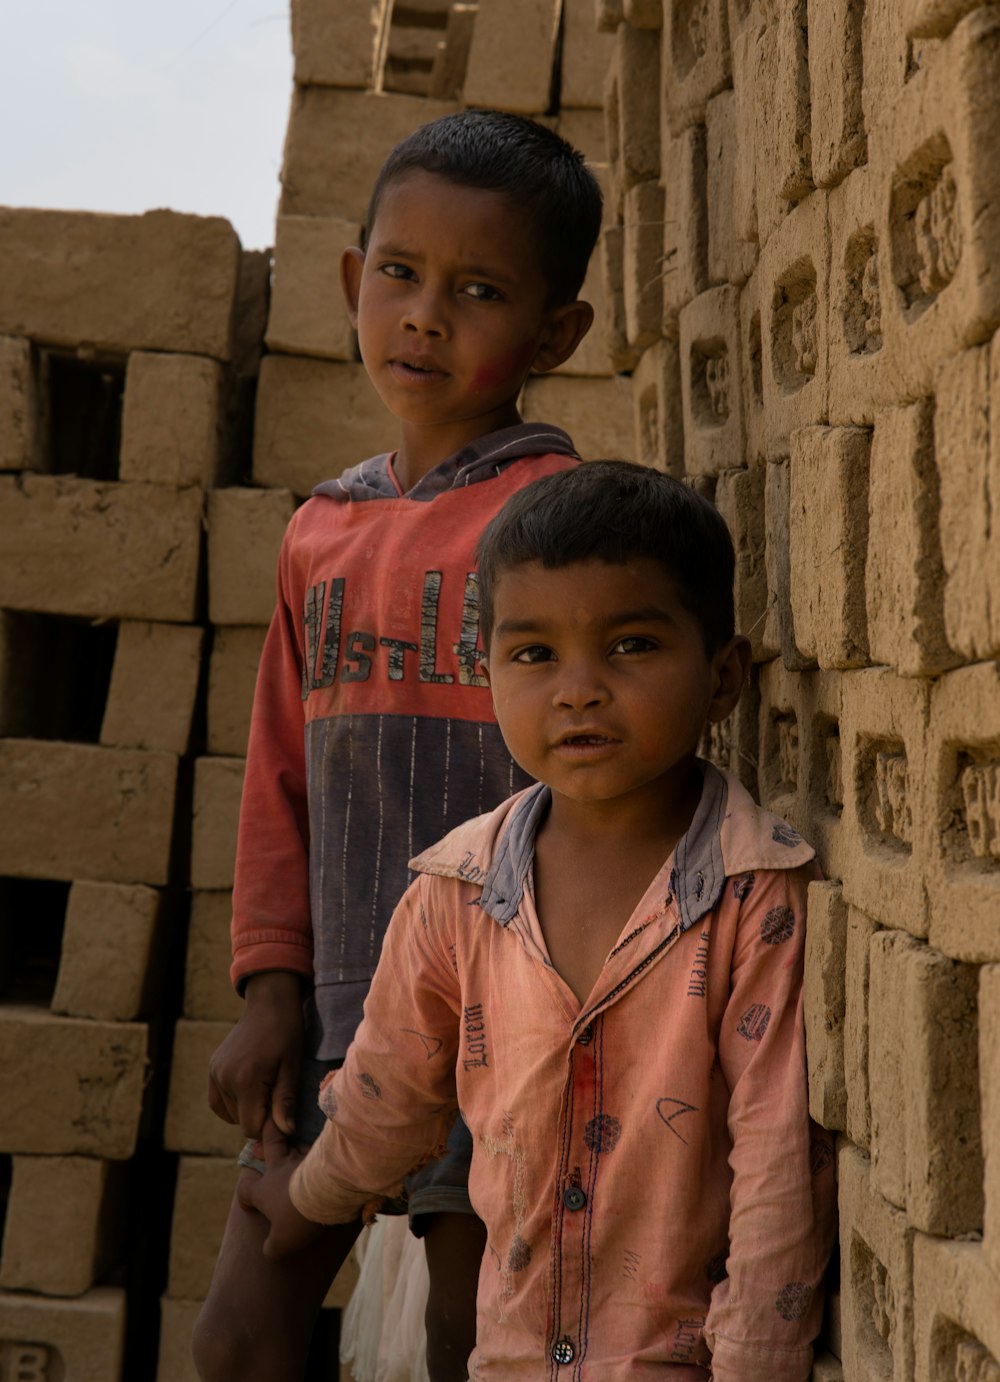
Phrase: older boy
pixel 605 974
pixel 372 727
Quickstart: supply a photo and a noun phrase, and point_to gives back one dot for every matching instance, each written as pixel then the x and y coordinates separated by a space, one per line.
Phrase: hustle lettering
pixel 331 654
pixel 475 1038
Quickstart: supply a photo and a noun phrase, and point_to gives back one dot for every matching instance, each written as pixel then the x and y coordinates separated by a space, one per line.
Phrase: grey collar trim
pixel 697 879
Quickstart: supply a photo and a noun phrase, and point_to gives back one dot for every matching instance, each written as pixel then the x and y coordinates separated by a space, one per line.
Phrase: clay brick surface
pixel 108 945
pixel 714 437
pixel 593 355
pixel 92 1074
pixel 695 59
pixel 161 281
pixel 934 18
pixel 584 129
pixel 824 1002
pixel 837 142
pixel 585 56
pixel 177 1318
pixel 860 930
pixel 888 1053
pixel 877 1277
pixel 887 60
pixel 656 390
pixel 19 420
pixel 827 1368
pixel 904 575
pixel 883 729
pixel 685 225
pixel 989 1066
pixel 733 743
pixel 204 1194
pixel 208 994
pixel 125 551
pixel 513 50
pixel 337 45
pixel 967 452
pixel 739 497
pixel 326 174
pixel 171 421
pixel 245 528
pixel 308 316
pixel 77 1340
pixel 641 267
pixel 314 419
pixel 779 635
pixel 218 786
pixel 597 415
pixel 856 356
pixel 191 1125
pixel 77 811
pixel 64 1224
pixel 955 1309
pixel 962 822
pixel 939 206
pixel 828 535
pixel 154 682
pixel 232 675
pixel 730 259
pixel 644 14
pixel 611 251
pixel 633 135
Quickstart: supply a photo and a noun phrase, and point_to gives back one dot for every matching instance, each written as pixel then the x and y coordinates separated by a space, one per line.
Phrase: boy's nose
pixel 425 315
pixel 581 688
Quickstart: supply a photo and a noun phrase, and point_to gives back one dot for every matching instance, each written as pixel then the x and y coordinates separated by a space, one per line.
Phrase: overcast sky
pixel 126 105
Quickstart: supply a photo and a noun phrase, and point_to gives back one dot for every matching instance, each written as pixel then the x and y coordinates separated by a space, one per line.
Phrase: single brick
pixel 656 392
pixel 586 55
pixel 245 528
pixel 695 60
pixel 828 538
pixel 337 45
pixel 208 994
pixel 824 1003
pixel 783 717
pixel 232 675
pixel 65 1223
pixel 642 270
pixel 104 551
pixel 109 945
pixel 630 108
pixel 883 742
pixel 739 497
pixel 596 413
pixel 43 1338
pixel 20 423
pixel 93 1075
pixel 512 55
pixel 315 418
pixel 685 225
pixel 730 259
pixel 967 453
pixel 714 437
pixel 154 683
pixel 876 1246
pixel 177 1317
pixel 308 315
pixel 837 142
pixel 860 931
pixel 160 281
pixel 904 573
pixel 955 1309
pixel 888 1053
pixel 611 251
pixel 779 633
pixel 593 356
pixel 962 821
pixel 934 18
pixel 78 811
pixel 218 786
pixel 191 1126
pixel 172 420
pixel 325 174
pixel 856 358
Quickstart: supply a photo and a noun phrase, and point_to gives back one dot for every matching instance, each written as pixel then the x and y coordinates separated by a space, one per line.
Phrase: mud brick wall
pixel 803 254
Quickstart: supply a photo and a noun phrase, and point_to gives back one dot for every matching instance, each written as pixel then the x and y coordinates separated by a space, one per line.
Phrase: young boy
pixel 372 728
pixel 605 975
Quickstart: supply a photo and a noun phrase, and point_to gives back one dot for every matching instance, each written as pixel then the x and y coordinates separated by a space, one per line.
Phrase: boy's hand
pixel 254 1074
pixel 268 1195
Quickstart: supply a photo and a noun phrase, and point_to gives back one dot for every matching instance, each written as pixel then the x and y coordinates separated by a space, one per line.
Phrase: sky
pixel 127 105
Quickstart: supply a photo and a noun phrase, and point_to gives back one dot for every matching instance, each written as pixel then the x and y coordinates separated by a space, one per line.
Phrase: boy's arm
pixel 391 1106
pixel 766 1313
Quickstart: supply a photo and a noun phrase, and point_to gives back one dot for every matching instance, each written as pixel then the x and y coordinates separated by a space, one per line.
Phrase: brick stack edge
pixel 797 288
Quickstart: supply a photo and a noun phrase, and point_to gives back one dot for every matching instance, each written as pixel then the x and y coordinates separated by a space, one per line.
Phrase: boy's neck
pixel 635 825
pixel 422 449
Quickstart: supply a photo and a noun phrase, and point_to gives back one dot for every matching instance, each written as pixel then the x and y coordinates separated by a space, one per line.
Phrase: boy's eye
pixel 634 643
pixel 396 270
pixel 482 292
pixel 535 652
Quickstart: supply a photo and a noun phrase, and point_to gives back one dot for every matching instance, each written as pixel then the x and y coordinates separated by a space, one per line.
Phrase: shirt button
pixel 586 1036
pixel 563 1351
pixel 573 1197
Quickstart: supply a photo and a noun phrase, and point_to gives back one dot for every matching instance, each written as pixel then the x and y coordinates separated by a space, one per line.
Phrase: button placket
pixel 563 1351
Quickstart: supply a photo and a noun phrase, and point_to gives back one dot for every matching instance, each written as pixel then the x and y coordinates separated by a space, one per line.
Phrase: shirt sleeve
pixel 765 1314
pixel 272 927
pixel 391 1106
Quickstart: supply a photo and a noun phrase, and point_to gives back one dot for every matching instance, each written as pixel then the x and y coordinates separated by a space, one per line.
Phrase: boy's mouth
pixel 417 369
pixel 585 740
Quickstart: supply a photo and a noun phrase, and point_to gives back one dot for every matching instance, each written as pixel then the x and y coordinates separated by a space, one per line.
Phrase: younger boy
pixel 605 975
pixel 372 728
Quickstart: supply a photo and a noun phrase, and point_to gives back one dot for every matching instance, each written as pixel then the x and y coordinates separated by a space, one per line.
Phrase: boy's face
pixel 451 308
pixel 600 678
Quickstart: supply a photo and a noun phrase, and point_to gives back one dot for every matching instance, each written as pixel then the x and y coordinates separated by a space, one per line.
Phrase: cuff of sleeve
pixel 318 1196
pixel 735 1362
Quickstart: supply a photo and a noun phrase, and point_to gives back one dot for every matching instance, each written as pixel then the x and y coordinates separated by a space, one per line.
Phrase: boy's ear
pixel 352 262
pixel 732 664
pixel 565 328
pixel 484 668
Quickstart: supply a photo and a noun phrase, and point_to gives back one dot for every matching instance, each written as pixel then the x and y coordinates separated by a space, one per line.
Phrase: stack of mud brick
pixel 127 349
pixel 366 75
pixel 806 251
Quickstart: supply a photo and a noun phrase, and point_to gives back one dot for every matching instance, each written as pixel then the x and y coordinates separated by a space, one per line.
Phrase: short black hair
pixel 616 511
pixel 538 170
